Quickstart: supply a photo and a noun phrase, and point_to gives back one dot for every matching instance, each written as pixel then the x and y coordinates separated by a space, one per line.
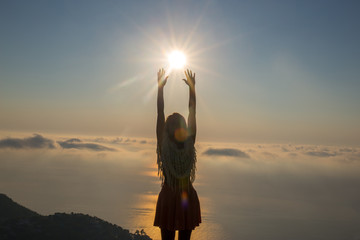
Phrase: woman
pixel 178 206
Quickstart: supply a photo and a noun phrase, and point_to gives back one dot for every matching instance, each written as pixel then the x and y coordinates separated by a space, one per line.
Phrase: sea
pixel 246 191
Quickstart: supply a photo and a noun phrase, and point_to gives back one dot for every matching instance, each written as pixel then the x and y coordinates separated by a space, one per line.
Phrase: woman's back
pixel 178 206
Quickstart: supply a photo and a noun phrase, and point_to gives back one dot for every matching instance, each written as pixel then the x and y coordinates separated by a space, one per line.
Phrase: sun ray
pixel 144 32
pixel 195 26
pixel 149 95
pixel 171 28
pixel 205 70
pixel 214 46
pixel 163 47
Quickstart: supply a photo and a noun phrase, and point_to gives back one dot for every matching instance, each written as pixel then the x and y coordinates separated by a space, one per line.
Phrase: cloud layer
pixel 36 141
pixel 228 152
pixel 78 144
pixel 321 154
pixel 273 187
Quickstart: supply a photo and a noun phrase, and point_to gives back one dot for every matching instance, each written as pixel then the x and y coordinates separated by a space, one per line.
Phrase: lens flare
pixel 184 199
pixel 180 134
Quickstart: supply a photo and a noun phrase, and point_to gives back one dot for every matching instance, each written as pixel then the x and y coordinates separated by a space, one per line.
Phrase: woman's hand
pixel 161 80
pixel 190 78
pixel 160 106
pixel 190 81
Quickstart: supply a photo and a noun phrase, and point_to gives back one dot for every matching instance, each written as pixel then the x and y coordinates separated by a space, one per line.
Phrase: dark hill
pixel 10 209
pixel 21 223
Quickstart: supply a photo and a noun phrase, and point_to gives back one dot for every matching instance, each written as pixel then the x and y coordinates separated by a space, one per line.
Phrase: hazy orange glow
pixel 180 134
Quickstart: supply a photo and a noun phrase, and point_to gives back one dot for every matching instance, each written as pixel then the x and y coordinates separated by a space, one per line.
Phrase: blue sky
pixel 266 71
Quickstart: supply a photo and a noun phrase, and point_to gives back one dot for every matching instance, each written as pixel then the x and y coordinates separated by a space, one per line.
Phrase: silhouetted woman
pixel 178 206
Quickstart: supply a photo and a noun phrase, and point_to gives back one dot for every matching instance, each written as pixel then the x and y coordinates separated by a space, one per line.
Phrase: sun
pixel 177 59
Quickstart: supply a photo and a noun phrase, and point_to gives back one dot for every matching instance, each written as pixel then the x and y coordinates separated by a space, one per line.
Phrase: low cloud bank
pixel 76 143
pixel 321 154
pixel 36 141
pixel 227 152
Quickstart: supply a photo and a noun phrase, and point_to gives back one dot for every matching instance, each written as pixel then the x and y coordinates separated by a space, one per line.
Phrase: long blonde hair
pixel 176 165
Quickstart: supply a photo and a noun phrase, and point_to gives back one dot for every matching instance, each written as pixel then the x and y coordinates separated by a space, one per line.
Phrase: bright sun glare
pixel 177 59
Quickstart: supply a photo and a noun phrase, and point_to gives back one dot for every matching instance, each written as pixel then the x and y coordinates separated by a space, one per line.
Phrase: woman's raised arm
pixel 160 105
pixel 190 81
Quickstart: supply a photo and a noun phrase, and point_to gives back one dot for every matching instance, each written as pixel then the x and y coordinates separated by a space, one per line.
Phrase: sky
pixel 279 71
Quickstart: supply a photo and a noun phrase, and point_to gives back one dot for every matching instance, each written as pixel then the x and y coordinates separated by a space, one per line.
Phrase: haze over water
pixel 247 191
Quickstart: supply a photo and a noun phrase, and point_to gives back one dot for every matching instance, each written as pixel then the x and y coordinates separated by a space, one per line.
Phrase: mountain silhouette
pixel 18 223
pixel 10 209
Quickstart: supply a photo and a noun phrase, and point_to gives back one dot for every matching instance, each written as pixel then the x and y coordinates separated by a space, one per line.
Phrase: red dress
pixel 177 209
